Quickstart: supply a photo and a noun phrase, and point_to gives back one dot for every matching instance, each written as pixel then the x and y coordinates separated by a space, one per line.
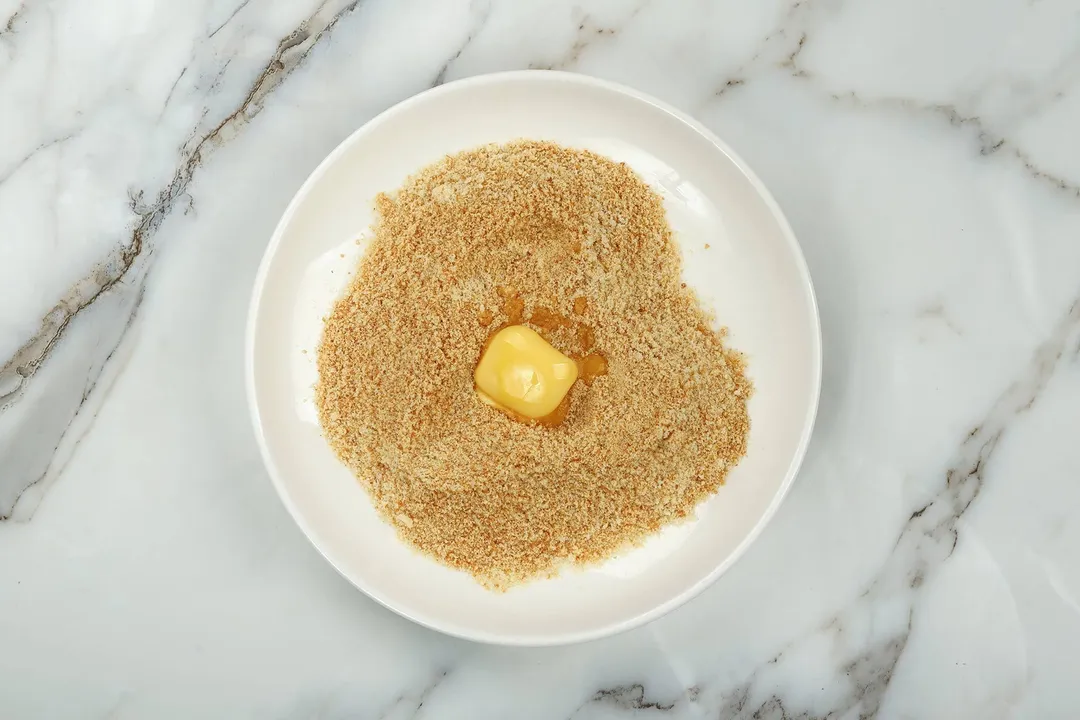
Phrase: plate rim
pixel 682 596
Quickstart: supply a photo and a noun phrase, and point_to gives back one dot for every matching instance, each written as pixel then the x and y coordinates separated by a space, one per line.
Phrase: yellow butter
pixel 521 372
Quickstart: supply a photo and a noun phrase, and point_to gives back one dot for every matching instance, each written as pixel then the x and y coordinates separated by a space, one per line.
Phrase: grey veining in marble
pixel 927 563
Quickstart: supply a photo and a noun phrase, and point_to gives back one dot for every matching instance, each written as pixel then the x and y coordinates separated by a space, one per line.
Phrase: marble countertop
pixel 927 562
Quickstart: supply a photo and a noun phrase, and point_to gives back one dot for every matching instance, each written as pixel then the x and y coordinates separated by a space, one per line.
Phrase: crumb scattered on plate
pixel 577 247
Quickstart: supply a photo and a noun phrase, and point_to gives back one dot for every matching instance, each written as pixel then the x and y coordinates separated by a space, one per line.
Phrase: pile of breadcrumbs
pixel 527 230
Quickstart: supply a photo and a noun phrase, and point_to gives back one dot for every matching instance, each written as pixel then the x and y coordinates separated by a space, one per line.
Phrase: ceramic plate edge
pixel 685 595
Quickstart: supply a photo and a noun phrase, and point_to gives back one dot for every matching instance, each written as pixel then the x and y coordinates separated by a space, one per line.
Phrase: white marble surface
pixel 927 563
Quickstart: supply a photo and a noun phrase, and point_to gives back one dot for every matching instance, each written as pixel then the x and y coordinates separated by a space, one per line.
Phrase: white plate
pixel 753 274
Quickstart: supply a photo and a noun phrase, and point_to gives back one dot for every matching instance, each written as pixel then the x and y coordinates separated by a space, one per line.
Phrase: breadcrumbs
pixel 497 235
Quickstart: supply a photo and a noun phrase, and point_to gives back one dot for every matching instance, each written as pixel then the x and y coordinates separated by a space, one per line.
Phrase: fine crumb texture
pixel 577 247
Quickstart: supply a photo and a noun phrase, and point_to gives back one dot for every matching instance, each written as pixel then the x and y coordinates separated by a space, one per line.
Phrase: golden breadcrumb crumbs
pixel 496 235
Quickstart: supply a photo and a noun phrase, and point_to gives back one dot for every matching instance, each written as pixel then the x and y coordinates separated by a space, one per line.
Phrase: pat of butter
pixel 520 372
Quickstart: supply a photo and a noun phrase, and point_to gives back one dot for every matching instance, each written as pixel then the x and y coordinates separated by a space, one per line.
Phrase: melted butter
pixel 585 337
pixel 549 319
pixel 591 366
pixel 517 370
pixel 552 419
pixel 513 305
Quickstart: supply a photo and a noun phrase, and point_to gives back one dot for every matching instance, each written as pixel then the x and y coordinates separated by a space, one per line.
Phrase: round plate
pixel 752 274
